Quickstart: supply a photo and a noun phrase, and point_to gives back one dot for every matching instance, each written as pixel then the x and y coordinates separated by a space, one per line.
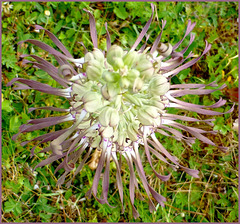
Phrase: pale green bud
pixel 118 102
pixel 93 73
pixel 143 65
pixel 152 111
pixel 132 131
pixel 147 74
pixel 106 132
pixel 92 101
pixel 159 85
pixel 88 57
pixel 84 124
pixel 79 90
pixel 96 142
pixel 133 99
pixel 98 55
pixel 118 63
pixel 109 91
pixel 113 53
pixel 104 117
pixel 156 101
pixel 130 58
pixel 109 117
pixel 121 138
pixel 110 76
pixel 133 74
pixel 137 85
pixel 129 116
pixel 124 82
pixel 96 63
pixel 114 119
pixel 147 115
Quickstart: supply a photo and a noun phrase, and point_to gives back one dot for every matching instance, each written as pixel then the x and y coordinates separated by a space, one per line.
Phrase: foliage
pixel 29 196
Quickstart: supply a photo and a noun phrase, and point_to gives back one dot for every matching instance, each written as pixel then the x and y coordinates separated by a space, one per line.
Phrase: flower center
pixel 123 92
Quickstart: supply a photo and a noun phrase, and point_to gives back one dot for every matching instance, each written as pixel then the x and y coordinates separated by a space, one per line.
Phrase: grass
pixel 29 196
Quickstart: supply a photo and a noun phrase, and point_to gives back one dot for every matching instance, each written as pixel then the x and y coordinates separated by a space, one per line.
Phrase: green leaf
pixel 58 26
pixel 70 33
pixel 45 217
pixel 39 7
pixel 13 206
pixel 14 124
pixel 6 105
pixel 120 11
pixel 68 194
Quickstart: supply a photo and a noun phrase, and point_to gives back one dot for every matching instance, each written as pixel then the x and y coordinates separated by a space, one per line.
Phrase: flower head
pixel 118 100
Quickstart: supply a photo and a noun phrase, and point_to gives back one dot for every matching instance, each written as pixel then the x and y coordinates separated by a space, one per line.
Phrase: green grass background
pixel 211 198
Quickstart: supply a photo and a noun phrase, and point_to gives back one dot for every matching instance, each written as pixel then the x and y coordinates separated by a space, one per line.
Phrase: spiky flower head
pixel 118 101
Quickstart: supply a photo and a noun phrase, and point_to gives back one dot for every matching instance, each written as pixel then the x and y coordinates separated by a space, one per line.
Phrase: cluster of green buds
pixel 123 91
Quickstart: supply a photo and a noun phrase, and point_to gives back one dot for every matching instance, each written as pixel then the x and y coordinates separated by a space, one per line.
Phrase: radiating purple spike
pixel 47 67
pixel 145 44
pixel 55 40
pixel 141 173
pixel 156 42
pixel 144 31
pixel 93 31
pixel 98 172
pixel 105 182
pixel 190 27
pixel 41 87
pixel 159 198
pixel 62 179
pixel 108 37
pixel 161 177
pixel 48 108
pixel 48 160
pixel 85 49
pixel 80 151
pixel 132 187
pixel 19 86
pixel 200 111
pixel 192 37
pixel 119 179
pixel 188 64
pixel 44 47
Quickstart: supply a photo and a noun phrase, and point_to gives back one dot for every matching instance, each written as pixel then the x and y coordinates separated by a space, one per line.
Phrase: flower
pixel 118 100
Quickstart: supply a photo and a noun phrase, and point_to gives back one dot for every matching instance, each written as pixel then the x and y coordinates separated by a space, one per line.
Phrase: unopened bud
pixel 147 74
pixel 137 85
pixel 159 85
pixel 88 57
pixel 106 132
pixel 109 91
pixel 130 58
pixel 110 76
pixel 98 55
pixel 92 101
pixel 125 83
pixel 133 99
pixel 147 115
pixel 93 73
pixel 113 53
pixel 133 74
pixel 143 65
pixel 132 131
pixel 109 117
pixel 96 142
